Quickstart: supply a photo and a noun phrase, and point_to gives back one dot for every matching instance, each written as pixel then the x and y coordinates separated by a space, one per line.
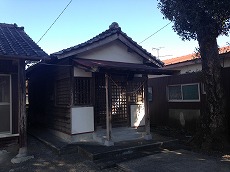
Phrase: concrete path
pixel 176 161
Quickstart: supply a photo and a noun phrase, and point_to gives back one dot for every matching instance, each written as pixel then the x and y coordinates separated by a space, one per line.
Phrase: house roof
pixel 191 57
pixel 119 67
pixel 113 33
pixel 15 43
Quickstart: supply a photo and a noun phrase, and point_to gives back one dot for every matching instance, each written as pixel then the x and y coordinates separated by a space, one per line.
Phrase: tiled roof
pixel 113 29
pixel 15 43
pixel 103 66
pixel 193 56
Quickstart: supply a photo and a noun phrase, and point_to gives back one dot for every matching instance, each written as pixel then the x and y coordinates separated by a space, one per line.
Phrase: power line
pixel 155 32
pixel 55 21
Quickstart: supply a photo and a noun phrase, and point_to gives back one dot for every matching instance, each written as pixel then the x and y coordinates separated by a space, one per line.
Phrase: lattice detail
pixel 121 94
pixel 100 103
pixel 135 90
pixel 119 103
pixel 82 91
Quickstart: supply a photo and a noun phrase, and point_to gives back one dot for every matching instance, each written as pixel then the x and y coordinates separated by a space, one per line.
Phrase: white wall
pixel 82 120
pixel 114 51
pixel 190 68
pixel 81 73
pixel 137 115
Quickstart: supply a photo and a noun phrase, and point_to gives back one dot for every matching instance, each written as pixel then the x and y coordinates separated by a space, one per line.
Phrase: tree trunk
pixel 212 119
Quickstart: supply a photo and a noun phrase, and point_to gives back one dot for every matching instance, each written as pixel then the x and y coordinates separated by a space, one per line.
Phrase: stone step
pixel 97 152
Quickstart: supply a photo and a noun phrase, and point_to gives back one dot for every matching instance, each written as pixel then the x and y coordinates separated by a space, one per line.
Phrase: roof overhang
pixel 119 67
pixel 32 58
pixel 73 51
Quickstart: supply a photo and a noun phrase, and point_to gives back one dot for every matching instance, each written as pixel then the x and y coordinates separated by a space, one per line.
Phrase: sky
pixel 84 19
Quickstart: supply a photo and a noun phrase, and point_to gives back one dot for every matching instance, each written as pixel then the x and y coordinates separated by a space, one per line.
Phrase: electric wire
pixel 55 21
pixel 155 32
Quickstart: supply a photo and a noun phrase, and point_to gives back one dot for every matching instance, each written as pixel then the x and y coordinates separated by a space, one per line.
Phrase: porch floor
pixel 119 134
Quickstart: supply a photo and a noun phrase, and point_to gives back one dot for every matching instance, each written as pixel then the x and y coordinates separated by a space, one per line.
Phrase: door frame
pixel 10 132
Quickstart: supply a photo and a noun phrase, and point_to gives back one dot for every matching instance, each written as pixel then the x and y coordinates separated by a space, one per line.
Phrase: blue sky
pixel 83 20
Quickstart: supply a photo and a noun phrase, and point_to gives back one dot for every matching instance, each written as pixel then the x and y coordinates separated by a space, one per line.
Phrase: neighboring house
pixel 180 99
pixel 192 62
pixel 15 47
pixel 101 83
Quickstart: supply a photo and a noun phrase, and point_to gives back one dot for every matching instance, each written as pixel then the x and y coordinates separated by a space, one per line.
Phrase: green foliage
pixel 192 17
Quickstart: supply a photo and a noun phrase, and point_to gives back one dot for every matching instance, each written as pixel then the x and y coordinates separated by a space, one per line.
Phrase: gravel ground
pixel 46 160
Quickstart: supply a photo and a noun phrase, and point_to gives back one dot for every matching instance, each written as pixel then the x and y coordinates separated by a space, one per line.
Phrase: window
pixel 150 94
pixel 186 92
pixel 82 91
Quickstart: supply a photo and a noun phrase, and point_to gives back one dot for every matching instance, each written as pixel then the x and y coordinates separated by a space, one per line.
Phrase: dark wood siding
pixel 226 84
pixel 160 106
pixel 50 96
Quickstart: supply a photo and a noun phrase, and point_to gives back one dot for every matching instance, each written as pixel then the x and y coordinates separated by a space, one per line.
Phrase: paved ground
pixel 177 161
pixel 45 160
pixel 166 161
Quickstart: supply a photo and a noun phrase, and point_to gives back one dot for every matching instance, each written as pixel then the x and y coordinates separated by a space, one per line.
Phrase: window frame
pixel 181 91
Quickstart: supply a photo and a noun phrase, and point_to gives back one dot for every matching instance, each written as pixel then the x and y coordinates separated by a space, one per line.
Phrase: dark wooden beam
pixel 108 141
pixel 148 135
pixel 22 104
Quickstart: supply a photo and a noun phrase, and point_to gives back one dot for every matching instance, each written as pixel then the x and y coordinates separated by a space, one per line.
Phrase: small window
pixel 150 94
pixel 82 91
pixel 186 92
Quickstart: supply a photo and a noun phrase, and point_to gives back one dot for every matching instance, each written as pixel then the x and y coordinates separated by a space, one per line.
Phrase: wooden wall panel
pixel 159 107
pixel 50 103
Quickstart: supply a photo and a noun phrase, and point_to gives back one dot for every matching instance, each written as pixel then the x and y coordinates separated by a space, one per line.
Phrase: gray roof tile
pixel 14 42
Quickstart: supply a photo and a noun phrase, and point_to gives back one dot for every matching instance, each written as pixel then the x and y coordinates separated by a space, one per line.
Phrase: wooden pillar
pixel 148 135
pixel 108 141
pixel 22 108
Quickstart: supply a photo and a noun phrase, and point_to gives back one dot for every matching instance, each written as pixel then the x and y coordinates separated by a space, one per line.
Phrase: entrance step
pixel 106 157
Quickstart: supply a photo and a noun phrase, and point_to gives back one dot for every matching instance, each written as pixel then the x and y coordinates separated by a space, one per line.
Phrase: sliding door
pixel 5 104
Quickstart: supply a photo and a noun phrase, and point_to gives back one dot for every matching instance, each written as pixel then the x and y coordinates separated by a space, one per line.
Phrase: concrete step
pixel 98 152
